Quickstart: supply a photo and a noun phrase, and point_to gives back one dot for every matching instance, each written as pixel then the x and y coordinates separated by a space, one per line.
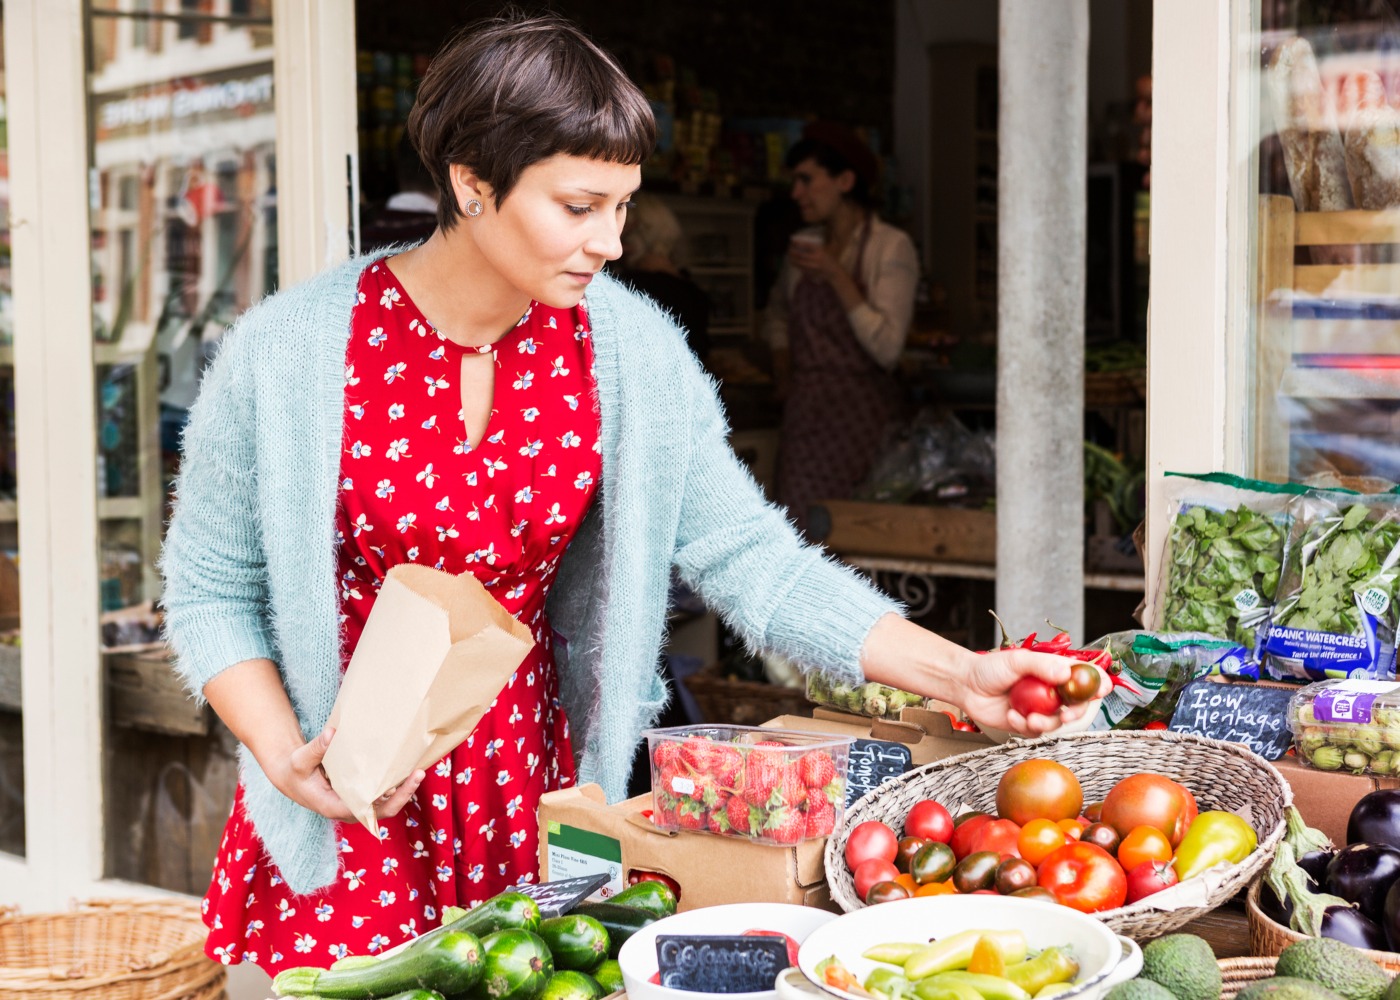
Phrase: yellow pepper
pixel 1214 837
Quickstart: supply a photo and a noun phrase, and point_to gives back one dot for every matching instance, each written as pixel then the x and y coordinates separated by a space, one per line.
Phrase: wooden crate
pixel 144 693
pixel 944 534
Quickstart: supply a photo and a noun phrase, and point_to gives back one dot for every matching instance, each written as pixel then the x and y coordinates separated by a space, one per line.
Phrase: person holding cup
pixel 837 320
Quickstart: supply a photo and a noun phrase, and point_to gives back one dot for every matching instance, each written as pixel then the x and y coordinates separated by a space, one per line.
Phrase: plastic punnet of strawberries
pixel 770 790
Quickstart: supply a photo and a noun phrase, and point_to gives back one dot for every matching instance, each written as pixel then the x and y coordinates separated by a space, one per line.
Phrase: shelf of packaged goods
pixel 1340 383
pixel 1126 582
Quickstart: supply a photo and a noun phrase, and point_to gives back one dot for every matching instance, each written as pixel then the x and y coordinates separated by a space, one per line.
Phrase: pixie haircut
pixel 508 92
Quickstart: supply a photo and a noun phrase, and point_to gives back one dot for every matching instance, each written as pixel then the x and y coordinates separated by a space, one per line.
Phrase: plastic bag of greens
pixel 1336 612
pixel 1223 555
pixel 874 700
pixel 1159 665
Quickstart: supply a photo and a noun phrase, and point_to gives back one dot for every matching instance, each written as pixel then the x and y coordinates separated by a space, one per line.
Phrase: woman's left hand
pixel 986 688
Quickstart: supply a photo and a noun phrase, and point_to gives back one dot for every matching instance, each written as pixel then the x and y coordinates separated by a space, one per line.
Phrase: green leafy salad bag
pixel 1223 557
pixel 1336 612
pixel 1158 665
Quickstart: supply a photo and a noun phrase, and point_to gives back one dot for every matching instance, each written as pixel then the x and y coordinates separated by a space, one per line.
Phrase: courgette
pixel 621 922
pixel 516 967
pixel 509 910
pixel 571 985
pixel 609 976
pixel 577 941
pixel 654 897
pixel 446 962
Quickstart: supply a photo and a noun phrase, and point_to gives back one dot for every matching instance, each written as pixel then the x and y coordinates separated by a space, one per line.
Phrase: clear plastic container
pixel 877 701
pixel 1348 725
pixel 770 786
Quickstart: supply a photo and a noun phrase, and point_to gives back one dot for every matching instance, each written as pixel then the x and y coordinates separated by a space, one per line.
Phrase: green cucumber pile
pixel 500 950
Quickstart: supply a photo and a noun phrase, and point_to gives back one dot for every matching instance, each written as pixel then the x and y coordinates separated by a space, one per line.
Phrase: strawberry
pixel 692 815
pixel 663 811
pixel 786 825
pixel 740 818
pixel 764 774
pixel 729 764
pixel 817 769
pixel 667 755
pixel 821 817
pixel 719 822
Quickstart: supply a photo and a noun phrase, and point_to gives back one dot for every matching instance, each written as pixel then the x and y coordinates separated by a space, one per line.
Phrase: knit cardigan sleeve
pixel 747 562
pixel 215 596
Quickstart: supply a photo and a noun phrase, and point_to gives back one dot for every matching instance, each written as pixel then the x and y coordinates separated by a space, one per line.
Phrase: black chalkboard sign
pixel 719 963
pixel 559 897
pixel 871 764
pixel 1252 714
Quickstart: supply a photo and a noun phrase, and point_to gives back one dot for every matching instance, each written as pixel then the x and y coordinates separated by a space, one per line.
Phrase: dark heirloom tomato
pixel 932 864
pixel 884 892
pixel 1038 789
pixel 976 871
pixel 908 847
pixel 1084 877
pixel 1013 874
pixel 1103 835
pixel 1082 686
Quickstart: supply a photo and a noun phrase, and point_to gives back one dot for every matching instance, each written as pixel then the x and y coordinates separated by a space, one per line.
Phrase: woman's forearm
pixel 902 655
pixel 251 700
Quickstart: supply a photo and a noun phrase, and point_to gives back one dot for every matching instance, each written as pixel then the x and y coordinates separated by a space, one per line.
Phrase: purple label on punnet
pixel 1341 705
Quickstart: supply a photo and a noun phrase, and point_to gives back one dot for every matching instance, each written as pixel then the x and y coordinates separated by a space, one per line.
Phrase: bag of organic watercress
pixel 1336 612
pixel 1223 556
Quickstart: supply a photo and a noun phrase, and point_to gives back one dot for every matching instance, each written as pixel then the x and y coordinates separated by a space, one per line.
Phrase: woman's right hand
pixel 299 776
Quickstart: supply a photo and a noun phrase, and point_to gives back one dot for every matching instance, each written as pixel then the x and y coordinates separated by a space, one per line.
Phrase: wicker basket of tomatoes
pixel 1164 806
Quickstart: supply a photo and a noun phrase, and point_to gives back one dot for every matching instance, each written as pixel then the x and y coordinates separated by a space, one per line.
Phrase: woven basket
pixel 727 700
pixel 1237 973
pixel 1269 937
pixel 109 950
pixel 1221 775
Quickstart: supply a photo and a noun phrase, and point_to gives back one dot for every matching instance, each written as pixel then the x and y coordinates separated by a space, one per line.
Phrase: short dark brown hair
pixel 508 92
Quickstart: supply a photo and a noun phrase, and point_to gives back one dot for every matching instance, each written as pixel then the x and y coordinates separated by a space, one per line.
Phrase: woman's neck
pixel 842 225
pixel 457 290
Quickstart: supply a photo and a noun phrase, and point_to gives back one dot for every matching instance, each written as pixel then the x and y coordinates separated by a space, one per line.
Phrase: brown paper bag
pixel 435 652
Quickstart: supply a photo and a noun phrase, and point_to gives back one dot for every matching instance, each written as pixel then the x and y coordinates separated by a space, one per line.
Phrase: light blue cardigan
pixel 249 559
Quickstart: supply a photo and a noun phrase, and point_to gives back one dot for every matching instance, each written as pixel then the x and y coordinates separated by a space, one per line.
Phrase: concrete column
pixel 1040 313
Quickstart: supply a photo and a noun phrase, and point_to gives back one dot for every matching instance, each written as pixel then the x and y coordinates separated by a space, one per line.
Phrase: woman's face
pixel 556 228
pixel 817 192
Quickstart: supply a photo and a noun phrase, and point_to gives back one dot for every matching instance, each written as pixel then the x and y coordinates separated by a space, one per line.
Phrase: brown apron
pixel 839 402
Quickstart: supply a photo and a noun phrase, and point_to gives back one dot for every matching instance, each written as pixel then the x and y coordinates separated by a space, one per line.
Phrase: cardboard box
pixel 1325 798
pixel 580 834
pixel 928 734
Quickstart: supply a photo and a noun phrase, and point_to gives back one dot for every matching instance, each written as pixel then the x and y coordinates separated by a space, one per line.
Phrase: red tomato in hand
pixel 1150 877
pixel 1084 877
pixel 1150 800
pixel 929 821
pixel 1032 696
pixel 871 839
pixel 872 872
pixel 961 841
pixel 999 835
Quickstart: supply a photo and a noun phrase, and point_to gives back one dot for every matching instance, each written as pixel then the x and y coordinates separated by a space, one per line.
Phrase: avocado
pixel 1138 989
pixel 1184 965
pixel 1393 990
pixel 1286 988
pixel 1339 967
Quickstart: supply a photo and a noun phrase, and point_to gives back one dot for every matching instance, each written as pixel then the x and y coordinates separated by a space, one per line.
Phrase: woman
pixel 651 249
pixel 837 321
pixel 458 405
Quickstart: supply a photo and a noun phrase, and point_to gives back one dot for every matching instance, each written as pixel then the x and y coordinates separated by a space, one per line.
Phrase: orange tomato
pixel 944 888
pixel 908 882
pixel 1144 843
pixel 1039 839
pixel 1073 828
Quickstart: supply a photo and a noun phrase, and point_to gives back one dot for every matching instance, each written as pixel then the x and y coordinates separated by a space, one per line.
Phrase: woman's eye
pixel 578 210
pixel 626 205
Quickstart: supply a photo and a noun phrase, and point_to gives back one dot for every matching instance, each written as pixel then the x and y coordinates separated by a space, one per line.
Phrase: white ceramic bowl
pixel 1105 959
pixel 638 955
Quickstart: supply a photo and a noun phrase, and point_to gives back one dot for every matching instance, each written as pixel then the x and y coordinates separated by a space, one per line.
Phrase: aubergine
pixel 1363 874
pixel 1315 864
pixel 1375 819
pixel 1279 911
pixel 1320 914
pixel 1391 921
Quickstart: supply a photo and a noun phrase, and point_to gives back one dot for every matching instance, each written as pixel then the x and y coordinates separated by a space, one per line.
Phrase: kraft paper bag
pixel 435 652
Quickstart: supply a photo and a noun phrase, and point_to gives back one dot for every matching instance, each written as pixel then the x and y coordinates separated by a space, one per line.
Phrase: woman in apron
pixel 837 321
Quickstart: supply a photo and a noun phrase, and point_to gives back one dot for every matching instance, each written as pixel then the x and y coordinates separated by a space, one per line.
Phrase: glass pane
pixel 1324 142
pixel 11 730
pixel 183 240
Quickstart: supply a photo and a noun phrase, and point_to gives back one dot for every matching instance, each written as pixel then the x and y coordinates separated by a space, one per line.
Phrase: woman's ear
pixel 846 181
pixel 467 186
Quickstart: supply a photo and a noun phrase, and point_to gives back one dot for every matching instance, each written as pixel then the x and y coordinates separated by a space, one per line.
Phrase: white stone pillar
pixel 1044 76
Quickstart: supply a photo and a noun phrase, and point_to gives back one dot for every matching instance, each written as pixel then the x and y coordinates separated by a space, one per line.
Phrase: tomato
pixel 1072 828
pixel 1144 843
pixel 1038 789
pixel 1084 877
pixel 907 881
pixel 872 871
pixel 944 888
pixel 999 835
pixel 871 840
pixel 1082 686
pixel 908 847
pixel 976 871
pixel 961 841
pixel 933 864
pixel 1014 874
pixel 1150 800
pixel 1150 877
pixel 1103 835
pixel 1035 892
pixel 885 892
pixel 929 821
pixel 1093 812
pixel 1039 839
pixel 1032 696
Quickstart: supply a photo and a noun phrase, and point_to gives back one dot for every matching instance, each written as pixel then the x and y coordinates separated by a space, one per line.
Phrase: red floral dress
pixel 504 508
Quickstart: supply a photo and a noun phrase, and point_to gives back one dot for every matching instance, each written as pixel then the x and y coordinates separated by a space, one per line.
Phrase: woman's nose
pixel 606 240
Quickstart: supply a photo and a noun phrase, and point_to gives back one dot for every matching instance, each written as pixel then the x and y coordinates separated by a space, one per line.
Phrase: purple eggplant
pixel 1315 864
pixel 1320 914
pixel 1375 819
pixel 1363 874
pixel 1350 926
pixel 1279 911
pixel 1391 923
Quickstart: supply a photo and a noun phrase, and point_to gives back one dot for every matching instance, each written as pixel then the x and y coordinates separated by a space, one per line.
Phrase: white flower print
pixel 337 951
pixel 515 714
pixel 421 328
pixel 493 746
pixel 572 401
pixel 517 839
pixel 386 898
pixel 428 476
pixel 412 554
pixel 324 912
pixel 439 801
pixel 390 298
pixel 516 593
pixel 530 413
pixel 347 484
pixel 253 929
pixel 276 958
pixel 394 372
pixel 250 956
pixel 444 872
pixel 558 368
pixel 488 829
pixel 489 502
pixel 532 761
pixel 434 384
pixel 407 522
pixel 305 942
pixel 489 554
pixel 360 450
pixel 357 411
pixel 357 922
pixel 470 477
pixel 377 942
pixel 525 495
pixel 550 471
pixel 552 323
pixel 584 480
pixel 570 440
pixel 497 438
pixel 353 878
pixel 474 514
pixel 556 516
pixel 502 778
pixel 377 336
pixel 476 874
pixel 444 504
pixel 362 524
pixel 523 380
pixel 389 866
pixel 350 377
pixel 397 450
pixel 419 850
pixel 532 448
pixel 385 490
pixel 449 532
pixel 439 836
pixel 395 411
pixel 494 466
pixel 437 353
pixel 516 530
pixel 526 346
pixel 285 910
pixel 224 955
pixel 430 424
